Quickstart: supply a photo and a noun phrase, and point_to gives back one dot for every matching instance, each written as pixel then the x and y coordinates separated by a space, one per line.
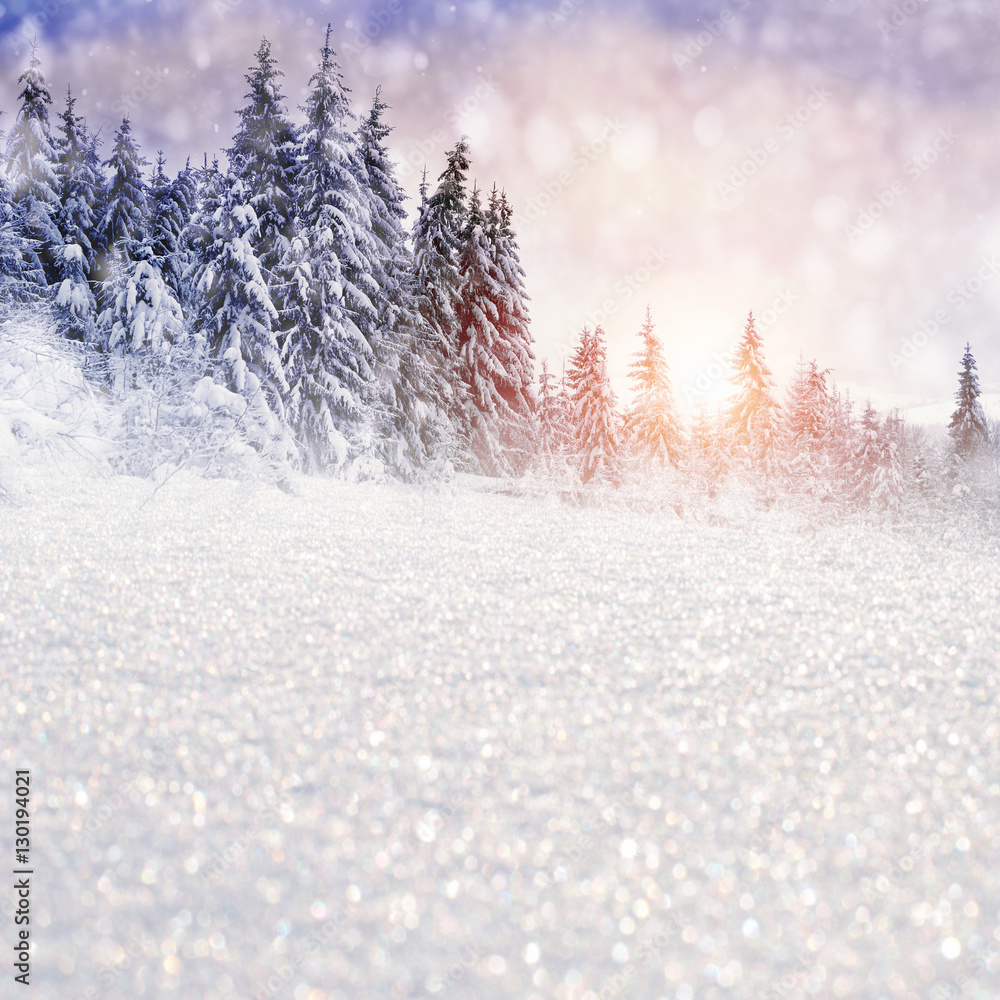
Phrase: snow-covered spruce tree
pixel 236 318
pixel 807 429
pixel 494 352
pixel 142 311
pixel 841 442
pixel 516 351
pixel 329 349
pixel 595 419
pixel 437 250
pixel 75 305
pixel 264 158
pixel 968 428
pixel 197 238
pixel 411 420
pixel 889 484
pixel 754 413
pixel 126 203
pixel 32 171
pixel 552 415
pixel 80 183
pixel 21 278
pixel 171 206
pixel 478 368
pixel 139 309
pixel 709 452
pixel 653 431
pixel 877 467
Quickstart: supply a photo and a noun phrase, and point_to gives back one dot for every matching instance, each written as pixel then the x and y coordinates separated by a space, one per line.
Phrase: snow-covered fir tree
pixel 437 251
pixel 236 317
pixel 80 183
pixel 409 405
pixel 126 203
pixel 143 311
pixel 264 158
pixel 516 346
pixel 171 206
pixel 889 483
pixel 21 276
pixel 807 426
pixel 709 451
pixel 865 459
pixel 494 350
pixel 332 324
pixel 840 443
pixel 80 196
pixel 968 428
pixel 32 170
pixel 553 415
pixel 597 441
pixel 754 413
pixel 877 466
pixel 653 431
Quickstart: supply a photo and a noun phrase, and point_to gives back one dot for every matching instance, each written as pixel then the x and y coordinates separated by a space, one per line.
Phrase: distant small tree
pixel 653 430
pixel 878 466
pixel 594 413
pixel 553 414
pixel 754 413
pixel 807 427
pixel 968 427
pixel 710 450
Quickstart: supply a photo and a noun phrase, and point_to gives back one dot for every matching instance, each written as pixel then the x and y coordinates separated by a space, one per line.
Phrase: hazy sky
pixel 831 164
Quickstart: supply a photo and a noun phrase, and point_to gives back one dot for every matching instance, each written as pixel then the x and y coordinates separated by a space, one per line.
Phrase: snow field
pixel 378 742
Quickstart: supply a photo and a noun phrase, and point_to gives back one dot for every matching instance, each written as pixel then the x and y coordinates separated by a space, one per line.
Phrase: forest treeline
pixel 278 303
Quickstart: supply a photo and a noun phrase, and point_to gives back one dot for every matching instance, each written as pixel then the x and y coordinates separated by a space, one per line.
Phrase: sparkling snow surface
pixel 374 742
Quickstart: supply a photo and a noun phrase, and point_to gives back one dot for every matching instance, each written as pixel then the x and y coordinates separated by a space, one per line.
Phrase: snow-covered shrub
pixel 50 412
pixel 172 415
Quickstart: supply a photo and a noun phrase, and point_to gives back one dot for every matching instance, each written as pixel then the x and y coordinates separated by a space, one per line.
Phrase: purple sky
pixel 702 158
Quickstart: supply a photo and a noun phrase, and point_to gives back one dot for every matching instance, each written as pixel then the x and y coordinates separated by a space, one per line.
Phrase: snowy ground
pixel 373 742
